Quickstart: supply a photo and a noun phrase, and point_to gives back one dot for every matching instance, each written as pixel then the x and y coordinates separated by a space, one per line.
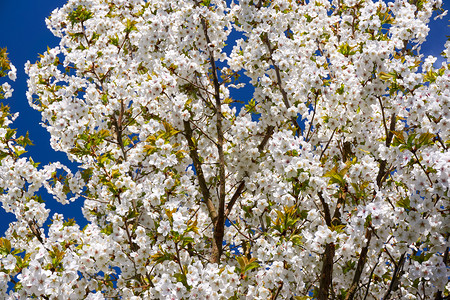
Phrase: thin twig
pixel 326 146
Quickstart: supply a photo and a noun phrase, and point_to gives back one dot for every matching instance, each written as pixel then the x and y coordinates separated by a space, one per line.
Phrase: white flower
pixel 164 227
pixel 320 141
pixel 324 235
pixel 12 74
pixel 9 262
pixel 7 90
pixel 95 296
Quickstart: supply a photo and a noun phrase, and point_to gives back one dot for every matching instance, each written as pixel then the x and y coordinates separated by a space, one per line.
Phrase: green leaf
pixel 69 222
pixel 114 40
pixel 162 256
pixel 404 203
pixel 18 286
pixel 3 155
pixel 410 141
pixel 24 140
pixel 346 50
pixel 10 133
pixel 246 264
pixel 349 265
pixel 398 138
pixel 430 76
pixel 79 15
pixel 5 246
pixel 384 76
pixel 130 26
pixel 205 2
pixel 425 139
pixel 251 266
pixel 108 229
pixel 250 107
pixel 296 239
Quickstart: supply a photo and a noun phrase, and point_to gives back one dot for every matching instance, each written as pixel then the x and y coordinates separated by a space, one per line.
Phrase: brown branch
pixel 359 267
pixel 204 133
pixel 220 222
pixel 326 275
pixel 326 146
pixel 389 135
pixel 234 198
pixel 198 169
pixel 395 276
pixel 117 123
pixel 259 4
pixel 240 188
pixel 384 118
pixel 326 209
pixel 422 167
pixel 439 139
pixel 280 286
pixel 445 259
pixel 178 259
pixel 371 275
pixel 269 132
pixel 312 121
pixel 280 85
pixel 240 232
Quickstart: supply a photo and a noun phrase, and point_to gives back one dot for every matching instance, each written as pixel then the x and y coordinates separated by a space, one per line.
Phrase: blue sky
pixel 25 35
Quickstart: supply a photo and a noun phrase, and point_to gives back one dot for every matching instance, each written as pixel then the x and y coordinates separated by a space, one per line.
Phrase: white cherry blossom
pixel 331 182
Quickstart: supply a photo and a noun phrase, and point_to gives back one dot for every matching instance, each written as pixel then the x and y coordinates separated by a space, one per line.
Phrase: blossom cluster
pixel 331 182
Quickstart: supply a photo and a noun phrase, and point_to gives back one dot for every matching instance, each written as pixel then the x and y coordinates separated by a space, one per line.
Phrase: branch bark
pixel 445 259
pixel 326 274
pixel 219 226
pixel 280 85
pixel 395 277
pixel 198 169
pixel 359 267
pixel 389 135
pixel 241 186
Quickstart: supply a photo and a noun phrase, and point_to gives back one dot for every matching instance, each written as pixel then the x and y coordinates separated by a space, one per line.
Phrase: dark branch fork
pixel 220 213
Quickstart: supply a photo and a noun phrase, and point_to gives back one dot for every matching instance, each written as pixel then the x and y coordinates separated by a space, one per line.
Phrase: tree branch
pixel 445 259
pixel 326 146
pixel 360 267
pixel 220 222
pixel 280 85
pixel 395 277
pixel 312 119
pixel 198 169
pixel 238 192
pixel 326 275
pixel 389 135
pixel 371 275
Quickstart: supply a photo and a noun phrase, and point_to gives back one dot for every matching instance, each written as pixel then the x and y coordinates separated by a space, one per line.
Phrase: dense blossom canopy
pixel 332 182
